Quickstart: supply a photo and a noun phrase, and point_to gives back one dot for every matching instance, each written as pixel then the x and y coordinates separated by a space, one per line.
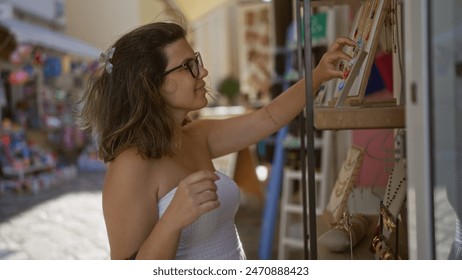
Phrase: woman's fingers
pixel 209 206
pixel 201 176
pixel 200 187
pixel 195 196
pixel 340 42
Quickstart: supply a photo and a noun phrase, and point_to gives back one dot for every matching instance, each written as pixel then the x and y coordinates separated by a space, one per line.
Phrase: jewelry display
pixel 387 233
pixel 366 30
pixel 350 75
pixel 381 245
pixel 344 184
pixel 395 191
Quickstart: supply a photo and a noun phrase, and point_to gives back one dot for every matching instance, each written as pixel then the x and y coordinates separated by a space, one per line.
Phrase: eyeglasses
pixel 193 65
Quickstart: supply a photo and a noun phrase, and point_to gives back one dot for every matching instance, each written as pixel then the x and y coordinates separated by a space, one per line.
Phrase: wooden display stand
pixel 349 109
pixel 359 117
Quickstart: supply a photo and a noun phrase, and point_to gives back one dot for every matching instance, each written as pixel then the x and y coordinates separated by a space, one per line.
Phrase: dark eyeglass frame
pixel 187 65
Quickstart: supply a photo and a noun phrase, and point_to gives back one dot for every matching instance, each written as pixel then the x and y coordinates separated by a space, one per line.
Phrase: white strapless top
pixel 213 236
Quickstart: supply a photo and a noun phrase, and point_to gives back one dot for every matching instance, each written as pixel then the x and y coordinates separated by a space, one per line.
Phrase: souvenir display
pixel 366 29
pixel 344 184
pixel 385 244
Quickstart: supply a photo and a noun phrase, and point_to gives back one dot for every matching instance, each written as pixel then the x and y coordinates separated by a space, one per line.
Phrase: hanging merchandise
pixel 39 57
pixel 21 54
pixel 52 122
pixel 52 67
pixel 18 77
pixel 66 64
pixel 67 139
pixel 29 69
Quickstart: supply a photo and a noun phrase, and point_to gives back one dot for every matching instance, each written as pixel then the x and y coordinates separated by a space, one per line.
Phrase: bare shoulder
pixel 128 169
pixel 200 125
pixel 129 203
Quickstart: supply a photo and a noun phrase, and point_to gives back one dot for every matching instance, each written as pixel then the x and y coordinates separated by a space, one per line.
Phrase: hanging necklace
pixel 370 21
pixel 351 50
pixel 358 36
pixel 364 21
pixel 394 25
pixel 396 189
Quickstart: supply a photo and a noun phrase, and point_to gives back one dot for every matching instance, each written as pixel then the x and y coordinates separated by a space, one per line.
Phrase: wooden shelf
pixel 321 3
pixel 331 118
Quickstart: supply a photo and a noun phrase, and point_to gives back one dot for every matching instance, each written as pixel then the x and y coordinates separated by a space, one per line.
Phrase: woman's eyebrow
pixel 188 59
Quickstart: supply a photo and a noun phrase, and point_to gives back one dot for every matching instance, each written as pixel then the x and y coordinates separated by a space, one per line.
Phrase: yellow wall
pixel 152 10
pixel 101 22
pixel 194 9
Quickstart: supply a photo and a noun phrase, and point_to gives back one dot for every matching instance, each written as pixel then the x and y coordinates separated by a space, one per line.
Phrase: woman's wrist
pixel 169 225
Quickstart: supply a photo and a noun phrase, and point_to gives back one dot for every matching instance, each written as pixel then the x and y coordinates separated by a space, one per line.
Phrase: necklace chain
pixel 361 34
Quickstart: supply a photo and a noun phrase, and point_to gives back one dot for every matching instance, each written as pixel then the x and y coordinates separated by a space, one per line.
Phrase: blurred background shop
pixel 401 117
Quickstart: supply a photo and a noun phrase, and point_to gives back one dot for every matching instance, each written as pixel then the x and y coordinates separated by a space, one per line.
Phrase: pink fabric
pixel 378 155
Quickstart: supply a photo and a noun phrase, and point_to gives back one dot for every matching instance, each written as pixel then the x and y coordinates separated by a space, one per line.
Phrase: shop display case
pixel 374 236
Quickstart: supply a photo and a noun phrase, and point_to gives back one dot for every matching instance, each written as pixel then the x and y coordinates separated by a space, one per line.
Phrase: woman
pixel 162 198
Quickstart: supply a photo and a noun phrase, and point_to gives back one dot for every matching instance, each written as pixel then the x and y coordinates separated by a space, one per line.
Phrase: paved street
pixel 62 223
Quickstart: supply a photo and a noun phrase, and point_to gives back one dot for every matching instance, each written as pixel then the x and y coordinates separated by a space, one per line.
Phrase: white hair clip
pixel 105 57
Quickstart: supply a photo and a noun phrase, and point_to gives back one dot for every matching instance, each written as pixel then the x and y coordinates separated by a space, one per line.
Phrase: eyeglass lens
pixel 195 64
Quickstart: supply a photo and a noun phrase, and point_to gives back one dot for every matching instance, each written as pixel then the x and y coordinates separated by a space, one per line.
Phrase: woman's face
pixel 181 91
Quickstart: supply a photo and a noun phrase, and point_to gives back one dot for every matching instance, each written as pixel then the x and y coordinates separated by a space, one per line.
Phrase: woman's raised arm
pixel 234 134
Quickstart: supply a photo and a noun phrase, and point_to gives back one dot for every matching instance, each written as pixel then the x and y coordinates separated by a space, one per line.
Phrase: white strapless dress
pixel 213 236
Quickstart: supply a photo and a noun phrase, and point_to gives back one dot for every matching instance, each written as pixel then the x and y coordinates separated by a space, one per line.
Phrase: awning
pixel 40 36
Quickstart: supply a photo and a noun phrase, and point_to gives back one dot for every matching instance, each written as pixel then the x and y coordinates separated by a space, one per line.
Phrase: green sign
pixel 318 27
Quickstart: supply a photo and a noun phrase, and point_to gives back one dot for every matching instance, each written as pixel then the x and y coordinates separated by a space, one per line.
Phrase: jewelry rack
pixel 367 26
pixel 360 113
pixel 349 109
pixel 385 244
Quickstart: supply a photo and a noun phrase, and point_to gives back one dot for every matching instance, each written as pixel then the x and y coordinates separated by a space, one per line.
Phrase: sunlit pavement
pixel 62 223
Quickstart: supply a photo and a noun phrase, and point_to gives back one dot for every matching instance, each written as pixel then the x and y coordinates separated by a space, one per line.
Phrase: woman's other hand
pixel 196 195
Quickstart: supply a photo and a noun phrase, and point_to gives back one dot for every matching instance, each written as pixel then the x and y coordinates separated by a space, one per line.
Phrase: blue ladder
pixel 270 210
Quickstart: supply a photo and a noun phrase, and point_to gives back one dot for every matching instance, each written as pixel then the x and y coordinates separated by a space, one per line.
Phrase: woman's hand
pixel 327 67
pixel 195 195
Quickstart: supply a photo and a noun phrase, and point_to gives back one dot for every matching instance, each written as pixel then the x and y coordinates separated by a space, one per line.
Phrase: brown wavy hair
pixel 124 108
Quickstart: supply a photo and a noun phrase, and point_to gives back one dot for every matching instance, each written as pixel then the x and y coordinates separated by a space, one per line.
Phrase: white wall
pixel 210 36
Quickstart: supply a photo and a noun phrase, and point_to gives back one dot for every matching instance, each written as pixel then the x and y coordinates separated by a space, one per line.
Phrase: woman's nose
pixel 203 72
